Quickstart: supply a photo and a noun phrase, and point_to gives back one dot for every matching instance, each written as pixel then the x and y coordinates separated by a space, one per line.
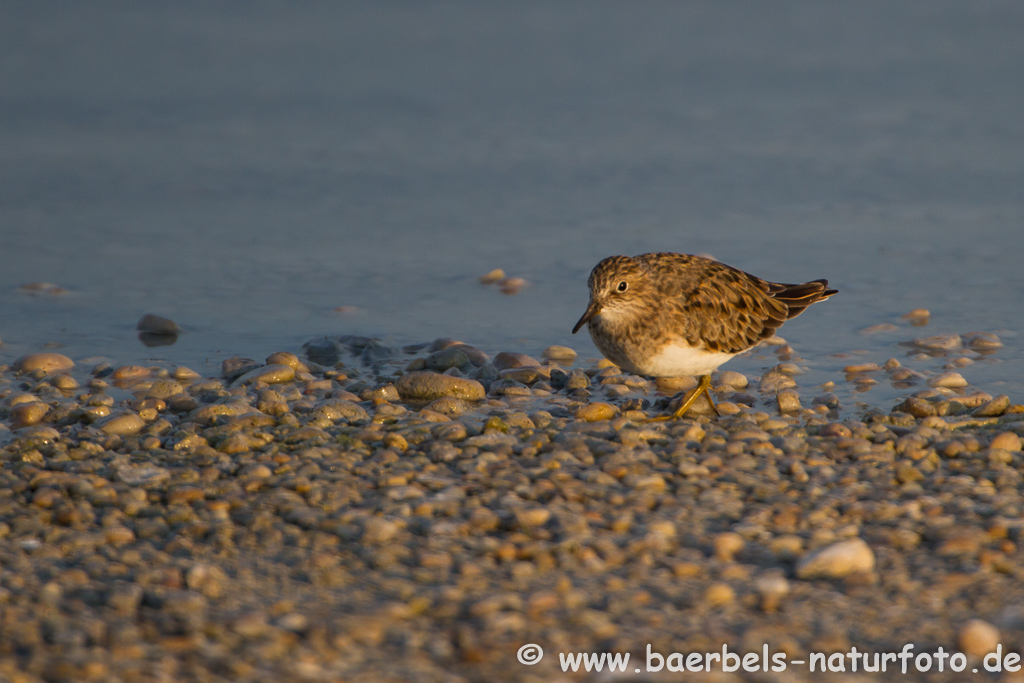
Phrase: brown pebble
pixel 47 363
pixel 1008 441
pixel 594 412
pixel 727 544
pixel 994 408
pixel 719 594
pixel 28 413
pixel 126 424
pixel 978 638
pixel 837 560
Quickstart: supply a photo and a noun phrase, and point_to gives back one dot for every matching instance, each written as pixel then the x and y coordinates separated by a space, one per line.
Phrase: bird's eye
pixel 622 286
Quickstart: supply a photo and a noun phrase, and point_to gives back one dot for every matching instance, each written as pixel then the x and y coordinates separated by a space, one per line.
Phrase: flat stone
pixel 164 389
pixel 140 475
pixel 127 424
pixel 450 357
pixel 994 408
pixel 46 362
pixel 837 560
pixel 426 386
pixel 506 360
pixel 939 342
pixel 268 374
pixel 335 409
pixel 950 380
pixel 563 353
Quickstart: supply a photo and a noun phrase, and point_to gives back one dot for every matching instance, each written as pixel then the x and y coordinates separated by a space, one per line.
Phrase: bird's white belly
pixel 676 360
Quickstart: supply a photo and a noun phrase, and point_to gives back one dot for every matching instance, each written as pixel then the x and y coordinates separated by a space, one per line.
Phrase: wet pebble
pixel 47 363
pixel 126 424
pixel 788 400
pixel 593 412
pixel 427 386
pixel 994 408
pixel 28 413
pixel 154 324
pixel 267 374
pixel 939 342
pixel 559 353
pixel 949 380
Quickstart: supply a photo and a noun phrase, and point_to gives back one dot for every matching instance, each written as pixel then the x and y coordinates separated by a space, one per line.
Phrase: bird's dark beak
pixel 593 309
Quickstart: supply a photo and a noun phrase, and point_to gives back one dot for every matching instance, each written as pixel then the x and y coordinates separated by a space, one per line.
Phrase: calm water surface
pixel 246 169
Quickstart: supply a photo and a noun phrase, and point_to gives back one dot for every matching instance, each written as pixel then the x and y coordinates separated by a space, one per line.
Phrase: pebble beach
pixel 353 511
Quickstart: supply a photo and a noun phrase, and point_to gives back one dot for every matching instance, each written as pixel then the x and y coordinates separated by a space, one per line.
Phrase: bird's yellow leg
pixel 702 387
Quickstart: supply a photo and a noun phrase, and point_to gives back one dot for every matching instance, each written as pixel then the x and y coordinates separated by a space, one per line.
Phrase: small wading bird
pixel 671 315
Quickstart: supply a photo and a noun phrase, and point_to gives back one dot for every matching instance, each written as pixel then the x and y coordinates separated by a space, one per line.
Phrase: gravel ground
pixel 364 513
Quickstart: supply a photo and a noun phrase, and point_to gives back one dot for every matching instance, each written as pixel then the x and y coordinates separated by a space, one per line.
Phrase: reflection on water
pixel 354 170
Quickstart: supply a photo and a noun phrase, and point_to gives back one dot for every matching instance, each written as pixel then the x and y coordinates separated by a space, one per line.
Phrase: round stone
pixel 593 412
pixel 978 638
pixel 48 363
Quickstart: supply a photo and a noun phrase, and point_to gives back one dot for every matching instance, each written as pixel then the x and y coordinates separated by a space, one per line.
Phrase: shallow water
pixel 247 170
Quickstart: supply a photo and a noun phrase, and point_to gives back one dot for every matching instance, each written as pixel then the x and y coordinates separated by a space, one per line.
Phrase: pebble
pixel 673 385
pixel 289 359
pixel 560 353
pixel 594 412
pixel 126 424
pixel 733 379
pixel 28 413
pixel 492 277
pixel 506 361
pixel 719 594
pixel 918 316
pixel 47 363
pixel 511 285
pixel 939 342
pixel 1007 441
pixel 982 341
pixel 949 380
pixel 978 638
pixel 775 380
pixel 788 400
pixel 427 386
pixel 154 324
pixel 837 560
pixel 267 374
pixel 773 588
pixel 994 408
pixel 727 545
pixel 450 357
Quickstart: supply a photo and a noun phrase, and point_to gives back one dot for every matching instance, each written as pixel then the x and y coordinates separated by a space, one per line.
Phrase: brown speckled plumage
pixel 700 308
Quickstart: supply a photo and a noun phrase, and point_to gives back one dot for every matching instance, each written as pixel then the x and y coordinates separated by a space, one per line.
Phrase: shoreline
pixel 366 517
